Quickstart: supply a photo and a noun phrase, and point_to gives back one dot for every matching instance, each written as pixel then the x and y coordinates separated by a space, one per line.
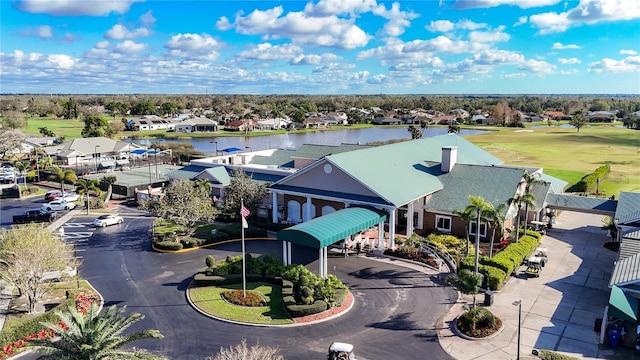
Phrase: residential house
pixel 385 120
pixel 602 116
pixel 197 124
pixel 241 125
pixel 91 152
pixel 273 124
pixel 558 115
pixel 151 122
pixel 459 113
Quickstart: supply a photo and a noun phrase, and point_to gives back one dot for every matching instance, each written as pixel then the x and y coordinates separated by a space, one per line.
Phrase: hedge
pixel 202 279
pixel 340 295
pixel 494 277
pixel 295 310
pixel 550 355
pixel 168 245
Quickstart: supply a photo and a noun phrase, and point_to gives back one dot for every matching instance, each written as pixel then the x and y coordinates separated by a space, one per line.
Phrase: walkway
pixel 559 308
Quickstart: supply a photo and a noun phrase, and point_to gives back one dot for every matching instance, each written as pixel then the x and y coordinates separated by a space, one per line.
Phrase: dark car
pixel 35 216
pixel 52 195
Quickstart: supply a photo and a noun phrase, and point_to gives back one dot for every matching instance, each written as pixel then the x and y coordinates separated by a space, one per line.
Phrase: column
pixel 392 228
pixel 284 253
pixel 321 261
pixel 308 211
pixel 288 253
pixel 326 258
pixel 274 210
pixel 409 219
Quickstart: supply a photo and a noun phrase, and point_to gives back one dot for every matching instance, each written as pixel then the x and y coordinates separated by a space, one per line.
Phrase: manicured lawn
pixel 568 154
pixel 70 128
pixel 209 300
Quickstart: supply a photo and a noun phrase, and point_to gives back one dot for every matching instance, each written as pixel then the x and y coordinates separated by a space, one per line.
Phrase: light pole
pixel 518 303
pixel 216 144
pixel 155 159
pixel 95 149
pixel 249 147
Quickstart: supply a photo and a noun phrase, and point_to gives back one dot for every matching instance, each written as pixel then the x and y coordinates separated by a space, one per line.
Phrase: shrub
pixel 550 355
pixel 237 297
pixel 495 277
pixel 168 245
pixel 478 322
pixel 316 307
pixel 340 295
pixel 162 237
pixel 210 261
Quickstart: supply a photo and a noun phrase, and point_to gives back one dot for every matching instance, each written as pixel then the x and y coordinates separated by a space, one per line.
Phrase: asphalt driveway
pixel 394 315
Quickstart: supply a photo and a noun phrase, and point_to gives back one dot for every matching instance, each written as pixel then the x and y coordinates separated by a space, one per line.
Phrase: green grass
pixel 568 154
pixel 70 128
pixel 209 300
pixel 162 226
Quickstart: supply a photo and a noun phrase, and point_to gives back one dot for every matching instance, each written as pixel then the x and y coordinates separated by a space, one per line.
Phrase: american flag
pixel 245 212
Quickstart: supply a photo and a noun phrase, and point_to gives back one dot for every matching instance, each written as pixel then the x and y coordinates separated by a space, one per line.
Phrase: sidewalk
pixel 559 308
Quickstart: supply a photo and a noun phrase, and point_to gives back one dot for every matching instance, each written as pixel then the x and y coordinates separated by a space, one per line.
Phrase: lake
pixel 329 137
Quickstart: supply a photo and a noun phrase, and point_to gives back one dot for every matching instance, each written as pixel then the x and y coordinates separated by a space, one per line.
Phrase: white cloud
pixel 398 20
pixel 561 46
pixel 62 61
pixel 118 32
pixel 302 29
pixel 147 18
pixel 570 61
pixel 339 7
pixel 69 38
pixel 314 59
pixel 75 7
pixel 44 32
pixel 524 4
pixel 266 51
pixel 586 12
pixel 129 47
pixel 628 52
pixel 193 46
pixel 537 67
pixel 223 24
pixel 521 21
pixel 489 36
pixel 628 64
pixel 440 26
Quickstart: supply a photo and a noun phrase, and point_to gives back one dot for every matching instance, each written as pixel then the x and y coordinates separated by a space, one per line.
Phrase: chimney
pixel 449 157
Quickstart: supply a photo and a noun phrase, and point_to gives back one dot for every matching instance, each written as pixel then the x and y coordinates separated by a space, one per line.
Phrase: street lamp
pixel 249 147
pixel 216 144
pixel 95 149
pixel 518 303
pixel 155 159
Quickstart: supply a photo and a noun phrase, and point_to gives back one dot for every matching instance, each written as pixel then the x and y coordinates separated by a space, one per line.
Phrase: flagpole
pixel 244 277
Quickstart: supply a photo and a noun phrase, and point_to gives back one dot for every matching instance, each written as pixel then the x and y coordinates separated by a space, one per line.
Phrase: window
pixel 483 229
pixel 443 223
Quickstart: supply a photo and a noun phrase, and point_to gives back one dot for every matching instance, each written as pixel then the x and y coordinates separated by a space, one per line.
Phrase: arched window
pixel 293 211
pixel 327 210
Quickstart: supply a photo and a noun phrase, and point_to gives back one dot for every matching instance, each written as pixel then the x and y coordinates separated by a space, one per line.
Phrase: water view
pixel 332 137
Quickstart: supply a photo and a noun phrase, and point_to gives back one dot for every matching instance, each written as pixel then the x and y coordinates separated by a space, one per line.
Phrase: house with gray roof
pixel 91 151
pixel 197 124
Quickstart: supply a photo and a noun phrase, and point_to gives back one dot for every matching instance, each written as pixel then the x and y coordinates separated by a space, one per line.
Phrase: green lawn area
pixel 569 154
pixel 70 128
pixel 209 300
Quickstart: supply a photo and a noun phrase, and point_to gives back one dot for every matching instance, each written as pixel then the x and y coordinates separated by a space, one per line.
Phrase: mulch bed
pixel 325 314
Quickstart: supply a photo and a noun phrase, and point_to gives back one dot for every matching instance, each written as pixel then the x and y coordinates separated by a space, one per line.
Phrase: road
pixel 393 317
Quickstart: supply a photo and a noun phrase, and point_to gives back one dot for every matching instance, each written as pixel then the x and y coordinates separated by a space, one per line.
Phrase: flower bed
pixel 413 255
pixel 236 297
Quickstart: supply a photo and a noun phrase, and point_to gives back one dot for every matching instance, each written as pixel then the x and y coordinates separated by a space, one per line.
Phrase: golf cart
pixel 341 351
pixel 534 266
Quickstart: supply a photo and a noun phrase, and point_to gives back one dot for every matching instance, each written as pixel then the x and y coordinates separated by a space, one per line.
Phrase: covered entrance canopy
pixel 328 229
pixel 623 305
pixel 323 231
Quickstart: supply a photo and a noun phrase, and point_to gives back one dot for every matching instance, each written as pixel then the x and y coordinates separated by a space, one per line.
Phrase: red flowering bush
pixel 83 303
pixel 237 297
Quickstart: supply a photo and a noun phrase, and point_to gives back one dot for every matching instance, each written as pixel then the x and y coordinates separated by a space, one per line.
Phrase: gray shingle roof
pixel 628 210
pixel 626 271
pixel 582 202
pixel 284 157
pixel 495 184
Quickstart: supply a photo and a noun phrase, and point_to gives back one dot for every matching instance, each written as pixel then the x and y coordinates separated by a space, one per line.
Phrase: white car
pixel 106 220
pixel 70 197
pixel 58 204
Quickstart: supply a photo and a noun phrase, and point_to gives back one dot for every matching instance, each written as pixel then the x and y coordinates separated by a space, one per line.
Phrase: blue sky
pixel 320 47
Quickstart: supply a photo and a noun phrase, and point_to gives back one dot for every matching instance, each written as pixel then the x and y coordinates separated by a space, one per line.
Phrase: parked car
pixel 35 216
pixel 106 220
pixel 8 175
pixel 70 196
pixel 58 204
pixel 52 195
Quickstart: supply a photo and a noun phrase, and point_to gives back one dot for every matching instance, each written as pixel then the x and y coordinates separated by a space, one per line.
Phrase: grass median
pixel 209 300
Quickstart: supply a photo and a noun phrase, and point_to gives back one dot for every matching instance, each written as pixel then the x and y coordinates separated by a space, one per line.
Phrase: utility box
pixel 488 298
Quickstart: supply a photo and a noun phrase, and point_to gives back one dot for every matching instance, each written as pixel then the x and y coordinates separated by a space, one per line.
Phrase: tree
pixel 22 167
pixel 63 176
pixel 466 282
pixel 242 187
pixel 578 121
pixel 480 206
pixel 453 129
pixel 610 225
pixel 94 126
pixel 530 180
pixel 415 132
pixel 13 120
pixel 46 132
pixel 86 186
pixel 10 141
pixel 517 201
pixel 28 252
pixel 203 183
pixel 94 336
pixel 467 217
pixel 183 204
pixel 495 214
pixel 243 352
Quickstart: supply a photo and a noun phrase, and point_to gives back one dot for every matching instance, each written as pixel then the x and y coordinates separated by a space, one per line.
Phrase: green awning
pixel 328 229
pixel 623 306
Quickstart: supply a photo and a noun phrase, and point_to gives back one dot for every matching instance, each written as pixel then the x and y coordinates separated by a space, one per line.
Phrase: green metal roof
pixel 186 172
pixel 328 229
pixel 219 175
pixel 582 203
pixel 284 157
pixel 495 184
pixel 397 172
pixel 558 185
pixel 623 305
pixel 626 271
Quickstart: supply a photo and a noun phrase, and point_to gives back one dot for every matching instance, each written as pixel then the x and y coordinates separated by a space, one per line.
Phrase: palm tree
pixel 529 180
pixel 453 129
pixel 466 282
pixel 480 206
pixel 467 217
pixel 22 167
pixel 203 183
pixel 87 185
pixel 517 201
pixel 62 176
pixel 94 336
pixel 610 225
pixel 496 216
